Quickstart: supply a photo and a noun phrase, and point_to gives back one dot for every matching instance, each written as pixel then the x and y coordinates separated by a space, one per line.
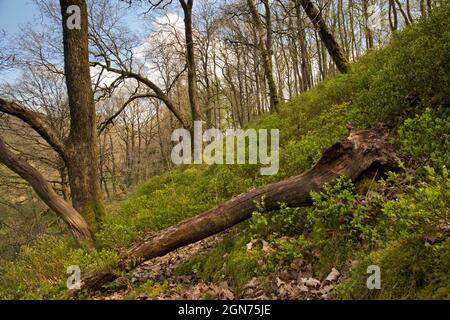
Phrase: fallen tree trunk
pixel 361 151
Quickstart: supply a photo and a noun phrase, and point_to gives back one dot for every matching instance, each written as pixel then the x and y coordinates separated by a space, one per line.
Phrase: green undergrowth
pixel 398 222
pixel 41 269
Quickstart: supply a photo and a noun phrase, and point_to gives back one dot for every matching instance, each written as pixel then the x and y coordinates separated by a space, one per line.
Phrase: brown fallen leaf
pixel 252 283
pixel 310 282
pixel 288 275
pixel 297 264
pixel 280 282
pixel 303 288
pixel 227 294
pixel 266 247
pixel 333 275
pixel 250 245
pixel 327 289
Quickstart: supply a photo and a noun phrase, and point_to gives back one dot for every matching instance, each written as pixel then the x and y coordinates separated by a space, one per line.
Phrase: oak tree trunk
pixel 82 153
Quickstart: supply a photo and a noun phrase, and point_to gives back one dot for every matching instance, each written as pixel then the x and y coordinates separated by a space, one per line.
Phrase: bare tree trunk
pixel 82 153
pixel 139 174
pixel 321 65
pixel 423 10
pixel 368 32
pixel 330 43
pixel 429 6
pixel 113 165
pixel 76 223
pixel 64 182
pixel 362 151
pixel 103 165
pixel 305 66
pixel 352 30
pixel 266 50
pixel 408 11
pixel 164 157
pixel 393 18
pixel 342 21
pixel 190 59
pixel 402 12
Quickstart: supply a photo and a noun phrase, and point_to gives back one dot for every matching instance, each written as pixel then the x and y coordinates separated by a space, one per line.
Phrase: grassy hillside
pixel 400 223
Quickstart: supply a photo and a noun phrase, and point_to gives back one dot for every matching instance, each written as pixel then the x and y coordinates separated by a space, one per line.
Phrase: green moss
pixel 94 212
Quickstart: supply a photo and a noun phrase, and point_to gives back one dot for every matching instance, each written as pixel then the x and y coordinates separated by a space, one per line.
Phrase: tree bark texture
pixel 190 59
pixel 335 51
pixel 265 47
pixel 82 152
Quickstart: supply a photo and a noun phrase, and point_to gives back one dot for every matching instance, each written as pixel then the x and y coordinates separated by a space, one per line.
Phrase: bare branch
pixel 35 121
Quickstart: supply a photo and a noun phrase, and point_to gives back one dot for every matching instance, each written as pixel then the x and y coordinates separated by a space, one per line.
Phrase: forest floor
pixel 398 223
pixel 160 276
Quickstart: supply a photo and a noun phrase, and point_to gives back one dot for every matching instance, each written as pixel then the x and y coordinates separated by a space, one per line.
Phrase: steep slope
pixel 399 223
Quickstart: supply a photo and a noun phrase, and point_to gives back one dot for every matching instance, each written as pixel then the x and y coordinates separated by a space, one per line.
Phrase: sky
pixel 16 12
